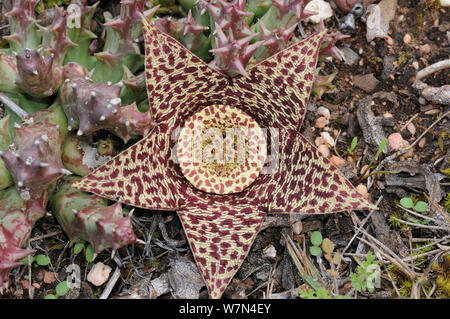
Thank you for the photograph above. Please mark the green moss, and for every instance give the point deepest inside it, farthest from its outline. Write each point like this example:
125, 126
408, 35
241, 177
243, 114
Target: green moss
447, 203
442, 270
420, 261
374, 60
46, 4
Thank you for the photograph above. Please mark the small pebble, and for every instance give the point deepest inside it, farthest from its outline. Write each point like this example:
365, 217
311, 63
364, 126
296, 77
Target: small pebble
389, 40
422, 101
415, 65
25, 284
422, 142
387, 114
324, 150
269, 252
425, 49
362, 189
445, 3
396, 141
365, 170
318, 141
327, 138
433, 112
409, 154
321, 122
99, 274
297, 227
323, 111
337, 161
407, 39
411, 128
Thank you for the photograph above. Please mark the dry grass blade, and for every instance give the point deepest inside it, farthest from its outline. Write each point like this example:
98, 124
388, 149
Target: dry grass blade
388, 253
420, 215
307, 271
420, 225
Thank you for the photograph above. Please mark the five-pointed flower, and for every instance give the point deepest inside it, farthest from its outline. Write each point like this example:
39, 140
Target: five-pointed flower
222, 214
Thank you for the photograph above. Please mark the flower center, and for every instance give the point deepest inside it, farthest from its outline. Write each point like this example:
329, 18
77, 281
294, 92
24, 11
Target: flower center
221, 149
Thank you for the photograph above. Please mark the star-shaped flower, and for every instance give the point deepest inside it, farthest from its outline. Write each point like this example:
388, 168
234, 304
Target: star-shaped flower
221, 226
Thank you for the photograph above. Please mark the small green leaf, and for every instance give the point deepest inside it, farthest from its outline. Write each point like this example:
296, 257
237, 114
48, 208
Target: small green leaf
406, 202
78, 247
50, 296
353, 145
441, 143
425, 222
62, 288
421, 207
315, 250
42, 260
381, 147
327, 246
90, 253
25, 260
316, 238
336, 258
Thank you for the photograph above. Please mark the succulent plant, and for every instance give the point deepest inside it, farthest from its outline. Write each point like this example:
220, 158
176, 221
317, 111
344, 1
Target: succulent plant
87, 217
82, 91
240, 33
62, 80
16, 221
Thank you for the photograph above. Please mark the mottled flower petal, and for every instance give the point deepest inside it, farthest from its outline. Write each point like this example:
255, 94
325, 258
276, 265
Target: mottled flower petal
138, 176
307, 182
276, 90
177, 80
220, 238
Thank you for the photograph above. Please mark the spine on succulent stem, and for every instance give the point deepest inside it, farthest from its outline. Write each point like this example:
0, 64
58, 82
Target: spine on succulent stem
231, 36
87, 217
189, 32
132, 123
328, 47
91, 106
34, 157
134, 87
258, 7
56, 39
16, 221
37, 75
277, 26
120, 43
232, 56
22, 22
79, 30
274, 41
322, 83
193, 38
39, 71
